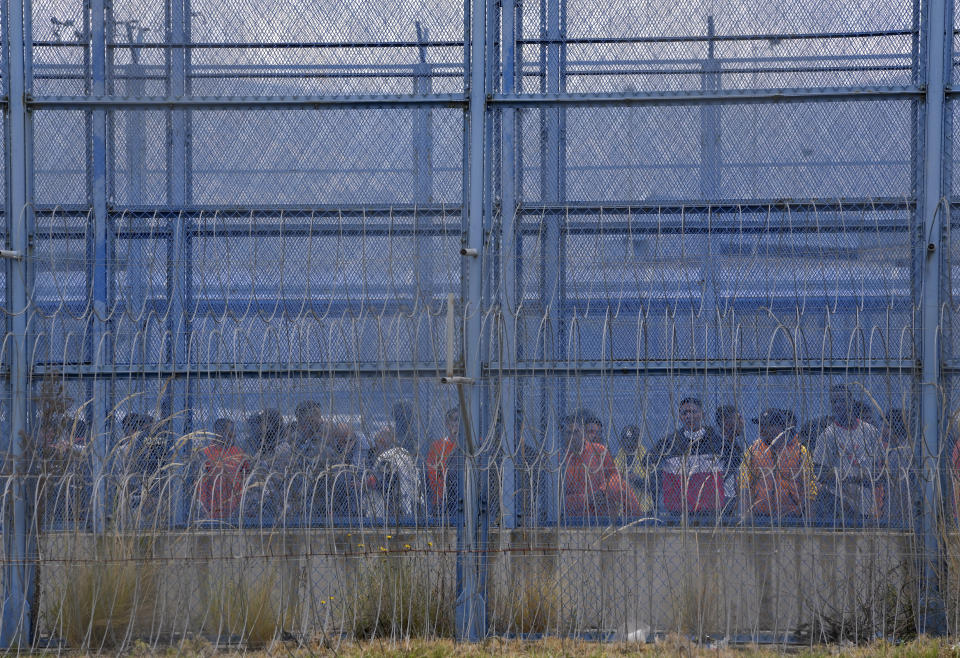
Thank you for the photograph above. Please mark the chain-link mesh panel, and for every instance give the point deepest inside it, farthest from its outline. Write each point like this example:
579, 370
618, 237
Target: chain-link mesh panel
268, 399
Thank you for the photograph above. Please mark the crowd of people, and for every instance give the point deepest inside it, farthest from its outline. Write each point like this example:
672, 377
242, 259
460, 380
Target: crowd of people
853, 465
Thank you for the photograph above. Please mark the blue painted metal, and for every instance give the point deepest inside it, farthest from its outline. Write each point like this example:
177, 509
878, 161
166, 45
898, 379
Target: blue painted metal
811, 94
552, 285
936, 47
519, 368
177, 408
454, 101
17, 618
101, 334
508, 269
470, 609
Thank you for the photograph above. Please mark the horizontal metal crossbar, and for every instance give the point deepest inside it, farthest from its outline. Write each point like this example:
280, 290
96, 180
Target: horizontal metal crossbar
246, 102
624, 207
496, 100
653, 367
681, 367
824, 94
681, 38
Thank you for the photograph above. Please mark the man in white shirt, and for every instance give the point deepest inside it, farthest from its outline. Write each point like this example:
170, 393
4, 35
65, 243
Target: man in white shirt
848, 458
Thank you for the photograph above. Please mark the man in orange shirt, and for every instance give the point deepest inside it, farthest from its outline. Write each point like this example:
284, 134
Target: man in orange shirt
592, 486
443, 484
776, 474
223, 472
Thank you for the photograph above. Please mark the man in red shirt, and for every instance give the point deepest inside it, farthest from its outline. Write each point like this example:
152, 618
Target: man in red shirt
592, 486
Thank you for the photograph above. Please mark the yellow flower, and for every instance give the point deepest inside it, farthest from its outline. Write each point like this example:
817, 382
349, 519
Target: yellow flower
406, 545
323, 602
359, 545
382, 548
429, 543
389, 536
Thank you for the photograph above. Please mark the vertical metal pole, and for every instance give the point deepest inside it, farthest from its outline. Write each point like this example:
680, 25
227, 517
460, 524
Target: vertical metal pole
178, 283
470, 609
425, 246
102, 271
709, 184
135, 129
17, 617
709, 141
554, 297
508, 265
934, 209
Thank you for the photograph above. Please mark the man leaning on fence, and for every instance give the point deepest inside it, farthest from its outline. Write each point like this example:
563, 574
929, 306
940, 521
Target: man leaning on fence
776, 475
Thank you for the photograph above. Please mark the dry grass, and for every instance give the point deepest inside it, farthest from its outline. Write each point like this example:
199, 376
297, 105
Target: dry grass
696, 603
400, 596
528, 604
102, 602
248, 609
671, 646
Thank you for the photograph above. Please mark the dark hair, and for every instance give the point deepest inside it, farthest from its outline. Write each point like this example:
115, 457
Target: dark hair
133, 423
690, 400
267, 429
897, 425
452, 412
307, 407
223, 425
840, 389
723, 412
402, 413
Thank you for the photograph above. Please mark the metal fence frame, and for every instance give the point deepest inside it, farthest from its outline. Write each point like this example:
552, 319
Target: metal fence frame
491, 71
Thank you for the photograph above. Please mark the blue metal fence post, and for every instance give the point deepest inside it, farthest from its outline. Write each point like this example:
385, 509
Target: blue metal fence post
934, 207
101, 334
17, 617
134, 149
508, 266
470, 608
552, 252
178, 280
424, 247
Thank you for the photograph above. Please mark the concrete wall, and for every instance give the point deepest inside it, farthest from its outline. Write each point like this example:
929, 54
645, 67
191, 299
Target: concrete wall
715, 581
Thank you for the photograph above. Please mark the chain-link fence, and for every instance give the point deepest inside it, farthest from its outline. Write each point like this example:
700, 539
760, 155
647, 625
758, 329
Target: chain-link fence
374, 320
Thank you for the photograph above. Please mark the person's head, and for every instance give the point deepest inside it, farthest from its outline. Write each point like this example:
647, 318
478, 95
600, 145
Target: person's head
226, 430
772, 423
266, 429
136, 424
895, 429
863, 411
842, 406
403, 419
729, 421
691, 414
384, 439
573, 432
78, 431
451, 421
592, 427
341, 441
631, 439
309, 417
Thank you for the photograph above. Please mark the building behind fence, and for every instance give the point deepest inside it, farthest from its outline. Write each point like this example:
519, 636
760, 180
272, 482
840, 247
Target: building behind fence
354, 320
